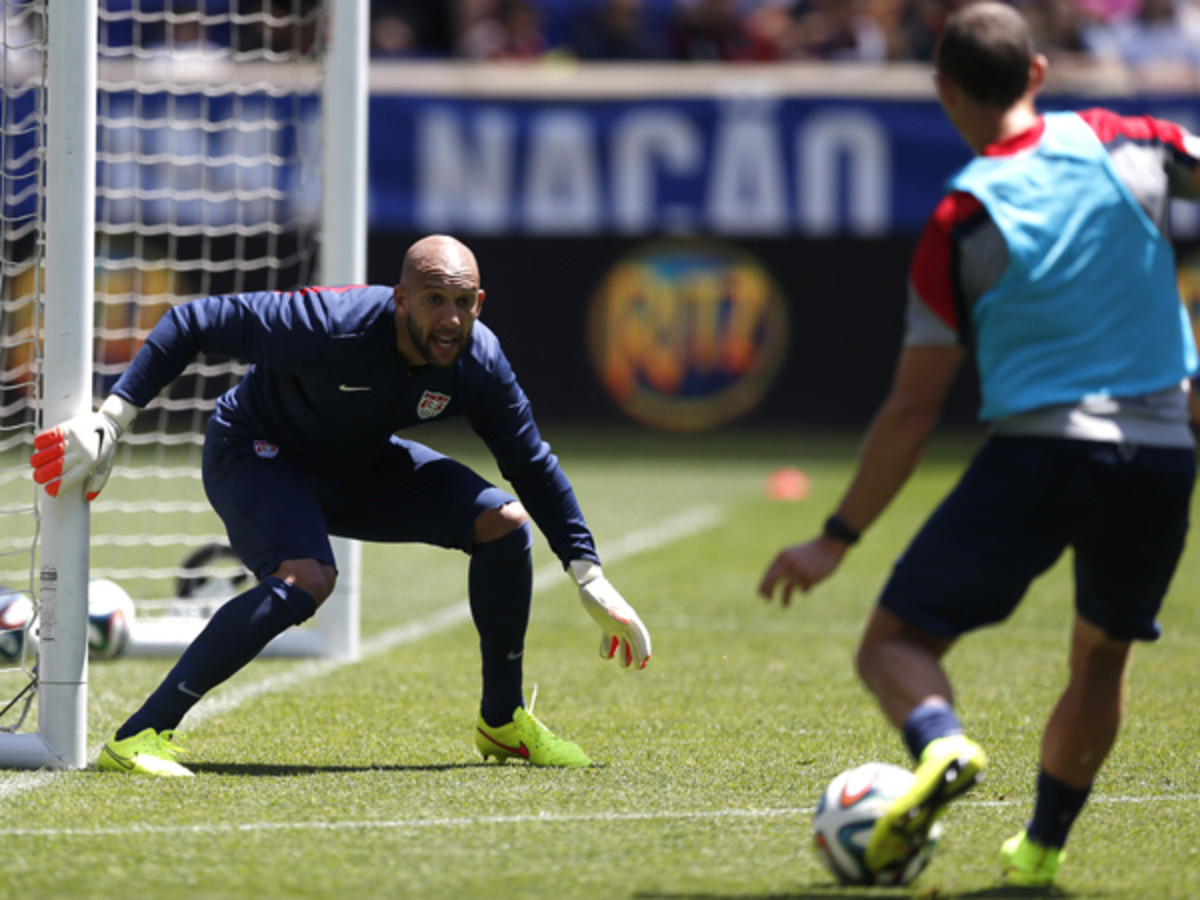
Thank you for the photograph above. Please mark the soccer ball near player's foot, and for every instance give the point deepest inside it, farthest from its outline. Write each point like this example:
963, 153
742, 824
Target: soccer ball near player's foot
845, 816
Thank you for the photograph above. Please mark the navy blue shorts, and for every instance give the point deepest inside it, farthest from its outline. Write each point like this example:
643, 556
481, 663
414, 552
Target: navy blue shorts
1022, 501
276, 509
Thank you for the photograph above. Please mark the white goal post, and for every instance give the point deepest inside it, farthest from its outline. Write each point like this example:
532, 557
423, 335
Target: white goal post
185, 149
63, 244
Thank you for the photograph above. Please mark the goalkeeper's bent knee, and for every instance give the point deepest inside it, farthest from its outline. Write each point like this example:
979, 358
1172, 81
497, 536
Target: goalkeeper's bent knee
515, 543
299, 602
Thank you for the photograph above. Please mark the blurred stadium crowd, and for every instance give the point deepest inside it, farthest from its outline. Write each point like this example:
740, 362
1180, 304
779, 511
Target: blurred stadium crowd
1135, 33
1156, 41
1160, 35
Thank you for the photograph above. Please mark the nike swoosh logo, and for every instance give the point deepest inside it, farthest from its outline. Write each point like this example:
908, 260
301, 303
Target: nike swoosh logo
184, 689
348, 388
520, 750
853, 792
99, 441
514, 655
124, 762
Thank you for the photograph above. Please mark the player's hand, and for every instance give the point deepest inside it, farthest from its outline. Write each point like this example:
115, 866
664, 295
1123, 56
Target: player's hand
622, 630
81, 449
801, 566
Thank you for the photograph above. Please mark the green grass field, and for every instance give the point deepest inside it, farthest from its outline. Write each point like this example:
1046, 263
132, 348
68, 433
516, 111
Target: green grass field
361, 780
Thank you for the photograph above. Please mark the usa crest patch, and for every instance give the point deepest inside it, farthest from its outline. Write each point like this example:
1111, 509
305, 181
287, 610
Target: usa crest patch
265, 450
431, 404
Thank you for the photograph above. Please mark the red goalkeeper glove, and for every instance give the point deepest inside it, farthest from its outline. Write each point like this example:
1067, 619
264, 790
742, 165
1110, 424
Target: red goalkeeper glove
621, 627
81, 449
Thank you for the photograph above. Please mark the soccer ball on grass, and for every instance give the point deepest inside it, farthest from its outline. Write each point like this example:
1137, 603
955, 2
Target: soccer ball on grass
110, 618
848, 810
16, 611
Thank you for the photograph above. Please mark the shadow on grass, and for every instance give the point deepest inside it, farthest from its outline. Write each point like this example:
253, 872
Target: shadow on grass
831, 892
1005, 891
267, 770
811, 893
283, 770
814, 894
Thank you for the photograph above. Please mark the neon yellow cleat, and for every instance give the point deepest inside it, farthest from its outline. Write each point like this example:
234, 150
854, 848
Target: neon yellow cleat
1027, 863
949, 767
148, 752
528, 739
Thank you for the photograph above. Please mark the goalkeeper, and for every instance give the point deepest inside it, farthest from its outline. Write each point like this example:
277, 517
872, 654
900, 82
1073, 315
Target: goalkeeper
304, 447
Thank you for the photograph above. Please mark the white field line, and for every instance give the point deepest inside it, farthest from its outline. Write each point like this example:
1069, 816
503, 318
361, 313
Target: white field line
551, 575
541, 818
682, 525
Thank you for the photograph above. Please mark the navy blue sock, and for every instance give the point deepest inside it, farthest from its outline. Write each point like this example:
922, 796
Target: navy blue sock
235, 634
500, 582
1055, 810
928, 722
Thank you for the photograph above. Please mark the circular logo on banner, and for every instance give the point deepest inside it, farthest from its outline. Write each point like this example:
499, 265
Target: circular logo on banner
687, 334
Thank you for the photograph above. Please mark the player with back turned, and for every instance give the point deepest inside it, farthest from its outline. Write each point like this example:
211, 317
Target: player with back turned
305, 446
1049, 258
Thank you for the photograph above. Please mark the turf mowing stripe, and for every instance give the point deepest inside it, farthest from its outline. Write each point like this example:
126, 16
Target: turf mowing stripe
394, 824
528, 819
682, 525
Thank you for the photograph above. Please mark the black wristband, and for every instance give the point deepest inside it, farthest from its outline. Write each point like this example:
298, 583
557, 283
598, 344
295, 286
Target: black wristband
837, 528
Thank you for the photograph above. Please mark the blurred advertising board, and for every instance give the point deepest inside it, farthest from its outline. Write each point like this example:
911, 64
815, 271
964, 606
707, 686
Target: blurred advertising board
695, 333
735, 151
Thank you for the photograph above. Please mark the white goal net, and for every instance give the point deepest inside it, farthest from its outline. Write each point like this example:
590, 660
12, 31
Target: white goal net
22, 115
210, 155
207, 183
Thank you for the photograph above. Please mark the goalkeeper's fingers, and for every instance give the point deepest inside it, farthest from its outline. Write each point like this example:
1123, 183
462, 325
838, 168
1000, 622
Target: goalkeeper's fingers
630, 643
96, 482
47, 459
54, 465
610, 644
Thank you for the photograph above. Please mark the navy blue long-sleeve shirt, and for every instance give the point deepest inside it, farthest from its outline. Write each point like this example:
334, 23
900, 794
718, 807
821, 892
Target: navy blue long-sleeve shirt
328, 382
